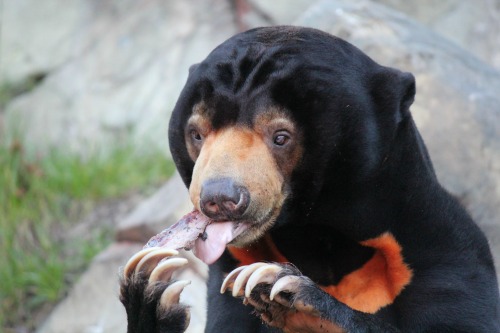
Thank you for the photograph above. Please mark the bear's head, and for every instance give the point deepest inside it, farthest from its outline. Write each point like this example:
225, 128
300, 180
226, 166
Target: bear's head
276, 118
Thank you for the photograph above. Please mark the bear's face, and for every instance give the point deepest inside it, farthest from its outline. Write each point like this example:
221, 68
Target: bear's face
242, 171
267, 122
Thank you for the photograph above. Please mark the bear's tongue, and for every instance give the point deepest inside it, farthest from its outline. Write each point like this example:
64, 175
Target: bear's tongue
207, 238
217, 236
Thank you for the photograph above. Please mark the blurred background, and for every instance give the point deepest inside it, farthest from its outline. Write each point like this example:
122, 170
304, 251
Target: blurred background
86, 88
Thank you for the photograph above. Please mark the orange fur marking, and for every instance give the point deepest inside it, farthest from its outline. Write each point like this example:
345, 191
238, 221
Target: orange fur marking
376, 284
263, 250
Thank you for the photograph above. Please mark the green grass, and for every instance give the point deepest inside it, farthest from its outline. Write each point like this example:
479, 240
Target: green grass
39, 201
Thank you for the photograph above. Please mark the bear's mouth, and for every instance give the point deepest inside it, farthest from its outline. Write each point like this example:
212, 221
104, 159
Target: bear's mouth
195, 231
210, 246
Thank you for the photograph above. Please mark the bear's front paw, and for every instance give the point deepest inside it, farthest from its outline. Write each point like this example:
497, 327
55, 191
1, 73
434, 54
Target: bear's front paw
282, 296
150, 297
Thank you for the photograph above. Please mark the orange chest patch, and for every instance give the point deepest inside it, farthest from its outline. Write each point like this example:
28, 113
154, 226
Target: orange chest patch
374, 285
263, 250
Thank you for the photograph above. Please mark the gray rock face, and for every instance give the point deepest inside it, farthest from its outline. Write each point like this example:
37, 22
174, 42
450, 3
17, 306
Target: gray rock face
92, 306
158, 212
132, 60
39, 36
474, 25
276, 12
457, 107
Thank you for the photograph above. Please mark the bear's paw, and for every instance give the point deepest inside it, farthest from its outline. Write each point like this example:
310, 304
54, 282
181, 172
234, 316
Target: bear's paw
150, 296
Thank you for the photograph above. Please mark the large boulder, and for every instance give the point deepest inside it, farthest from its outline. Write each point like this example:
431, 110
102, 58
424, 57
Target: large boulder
39, 36
92, 305
474, 25
159, 211
129, 62
457, 107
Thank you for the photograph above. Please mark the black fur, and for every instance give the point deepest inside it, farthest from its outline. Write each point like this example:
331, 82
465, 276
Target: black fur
144, 313
364, 171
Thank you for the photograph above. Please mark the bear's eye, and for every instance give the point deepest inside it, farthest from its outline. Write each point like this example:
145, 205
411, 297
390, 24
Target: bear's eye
281, 138
195, 135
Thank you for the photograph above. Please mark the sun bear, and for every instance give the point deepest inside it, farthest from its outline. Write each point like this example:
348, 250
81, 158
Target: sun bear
321, 208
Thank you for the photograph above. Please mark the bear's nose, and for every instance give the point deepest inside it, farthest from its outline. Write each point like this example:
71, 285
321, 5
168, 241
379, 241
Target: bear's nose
221, 199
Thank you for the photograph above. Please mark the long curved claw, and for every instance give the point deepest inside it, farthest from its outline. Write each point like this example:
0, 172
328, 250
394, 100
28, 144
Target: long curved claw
150, 260
172, 293
164, 270
265, 274
244, 276
289, 283
230, 278
146, 289
134, 260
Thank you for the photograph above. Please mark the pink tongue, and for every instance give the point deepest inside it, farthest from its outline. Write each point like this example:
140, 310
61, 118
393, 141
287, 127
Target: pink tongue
218, 235
207, 238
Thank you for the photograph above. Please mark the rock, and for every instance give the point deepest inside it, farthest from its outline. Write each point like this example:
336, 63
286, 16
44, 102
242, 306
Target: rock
457, 103
474, 25
92, 305
156, 213
39, 36
276, 12
132, 58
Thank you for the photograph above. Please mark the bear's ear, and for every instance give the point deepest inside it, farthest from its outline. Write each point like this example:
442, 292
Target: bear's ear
193, 67
407, 90
393, 91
